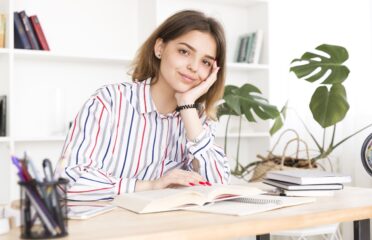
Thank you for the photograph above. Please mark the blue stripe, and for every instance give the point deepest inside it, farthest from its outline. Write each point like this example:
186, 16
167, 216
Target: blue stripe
128, 140
96, 181
85, 128
69, 175
205, 167
104, 157
202, 147
153, 146
110, 96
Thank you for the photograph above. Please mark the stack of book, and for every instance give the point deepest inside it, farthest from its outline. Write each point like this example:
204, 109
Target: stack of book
28, 33
249, 47
306, 182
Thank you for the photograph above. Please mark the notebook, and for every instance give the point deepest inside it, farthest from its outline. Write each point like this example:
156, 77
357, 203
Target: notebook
294, 186
86, 211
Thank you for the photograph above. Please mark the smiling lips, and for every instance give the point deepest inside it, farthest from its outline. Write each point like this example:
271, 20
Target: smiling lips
187, 78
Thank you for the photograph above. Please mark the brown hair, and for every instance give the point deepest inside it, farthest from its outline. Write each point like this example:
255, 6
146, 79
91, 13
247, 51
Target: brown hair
146, 64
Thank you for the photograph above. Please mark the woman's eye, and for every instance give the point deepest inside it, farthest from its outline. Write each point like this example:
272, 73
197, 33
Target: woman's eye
183, 52
207, 63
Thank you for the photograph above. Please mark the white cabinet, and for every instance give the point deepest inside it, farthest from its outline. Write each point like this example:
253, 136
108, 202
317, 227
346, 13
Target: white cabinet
92, 43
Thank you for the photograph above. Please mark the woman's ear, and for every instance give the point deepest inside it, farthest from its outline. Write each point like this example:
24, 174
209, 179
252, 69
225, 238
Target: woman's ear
158, 48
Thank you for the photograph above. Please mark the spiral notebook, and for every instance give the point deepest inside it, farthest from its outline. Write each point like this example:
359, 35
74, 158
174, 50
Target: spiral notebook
251, 205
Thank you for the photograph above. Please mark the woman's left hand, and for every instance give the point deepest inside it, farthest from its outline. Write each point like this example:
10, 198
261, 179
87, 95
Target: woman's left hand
194, 93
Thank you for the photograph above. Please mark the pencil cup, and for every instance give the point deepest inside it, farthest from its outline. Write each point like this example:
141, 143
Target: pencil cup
43, 209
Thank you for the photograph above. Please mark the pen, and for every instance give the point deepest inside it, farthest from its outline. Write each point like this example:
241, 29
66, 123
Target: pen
48, 172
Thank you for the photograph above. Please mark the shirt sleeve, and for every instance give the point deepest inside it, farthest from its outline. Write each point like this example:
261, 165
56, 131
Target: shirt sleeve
213, 163
87, 179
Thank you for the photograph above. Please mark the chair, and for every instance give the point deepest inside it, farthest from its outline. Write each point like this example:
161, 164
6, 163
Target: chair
327, 232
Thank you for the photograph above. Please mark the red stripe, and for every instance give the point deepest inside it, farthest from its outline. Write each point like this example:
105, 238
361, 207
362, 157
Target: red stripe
120, 186
144, 96
101, 102
117, 127
215, 164
93, 190
104, 175
143, 136
95, 144
166, 151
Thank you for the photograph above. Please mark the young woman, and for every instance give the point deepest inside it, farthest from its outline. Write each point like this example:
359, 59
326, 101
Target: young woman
158, 131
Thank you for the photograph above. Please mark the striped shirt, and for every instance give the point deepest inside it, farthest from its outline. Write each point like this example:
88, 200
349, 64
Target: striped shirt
119, 137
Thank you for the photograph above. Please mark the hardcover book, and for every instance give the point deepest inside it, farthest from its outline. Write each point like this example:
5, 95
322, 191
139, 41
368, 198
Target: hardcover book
39, 32
2, 30
308, 176
3, 115
294, 186
29, 30
20, 38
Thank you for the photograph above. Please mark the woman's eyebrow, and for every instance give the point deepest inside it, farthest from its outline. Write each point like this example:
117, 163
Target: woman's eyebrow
194, 50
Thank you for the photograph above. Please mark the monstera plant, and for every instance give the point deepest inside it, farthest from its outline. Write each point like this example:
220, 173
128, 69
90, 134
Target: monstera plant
243, 102
328, 103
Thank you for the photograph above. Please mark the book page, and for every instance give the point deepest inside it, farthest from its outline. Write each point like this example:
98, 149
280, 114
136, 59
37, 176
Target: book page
250, 205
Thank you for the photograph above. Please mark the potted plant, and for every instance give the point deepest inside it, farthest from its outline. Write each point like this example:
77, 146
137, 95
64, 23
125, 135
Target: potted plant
328, 103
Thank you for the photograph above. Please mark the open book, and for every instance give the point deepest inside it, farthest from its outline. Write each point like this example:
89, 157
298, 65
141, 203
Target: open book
180, 198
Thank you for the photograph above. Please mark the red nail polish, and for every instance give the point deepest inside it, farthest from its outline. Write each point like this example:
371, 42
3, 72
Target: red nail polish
191, 184
202, 183
208, 183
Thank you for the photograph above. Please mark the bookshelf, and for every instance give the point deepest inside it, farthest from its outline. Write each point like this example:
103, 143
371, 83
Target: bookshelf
92, 45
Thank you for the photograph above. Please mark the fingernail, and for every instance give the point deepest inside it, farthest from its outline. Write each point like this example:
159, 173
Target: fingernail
191, 184
202, 183
208, 183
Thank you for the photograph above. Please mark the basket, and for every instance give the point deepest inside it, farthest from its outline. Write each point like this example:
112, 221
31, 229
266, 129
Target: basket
274, 162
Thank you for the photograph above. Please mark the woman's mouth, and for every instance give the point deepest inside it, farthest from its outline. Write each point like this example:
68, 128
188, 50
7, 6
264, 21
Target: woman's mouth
187, 78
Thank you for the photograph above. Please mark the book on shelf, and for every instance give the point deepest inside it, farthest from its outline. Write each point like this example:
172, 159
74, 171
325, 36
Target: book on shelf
20, 37
308, 176
2, 30
178, 198
39, 32
29, 30
294, 186
3, 115
249, 47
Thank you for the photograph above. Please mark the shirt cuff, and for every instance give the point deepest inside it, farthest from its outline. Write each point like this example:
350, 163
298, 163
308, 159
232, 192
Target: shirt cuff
125, 185
200, 144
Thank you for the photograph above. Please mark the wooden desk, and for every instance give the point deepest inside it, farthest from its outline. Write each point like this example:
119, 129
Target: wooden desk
350, 204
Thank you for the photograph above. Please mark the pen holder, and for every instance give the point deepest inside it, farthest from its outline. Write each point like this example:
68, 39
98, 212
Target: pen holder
43, 209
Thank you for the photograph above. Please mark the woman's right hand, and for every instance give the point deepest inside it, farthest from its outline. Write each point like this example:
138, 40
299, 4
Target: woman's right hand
178, 177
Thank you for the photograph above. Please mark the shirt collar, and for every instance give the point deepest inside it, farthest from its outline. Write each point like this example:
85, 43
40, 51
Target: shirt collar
146, 103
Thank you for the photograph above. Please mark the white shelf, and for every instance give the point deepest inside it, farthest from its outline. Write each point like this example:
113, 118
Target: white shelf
4, 139
243, 3
4, 51
247, 66
40, 139
37, 54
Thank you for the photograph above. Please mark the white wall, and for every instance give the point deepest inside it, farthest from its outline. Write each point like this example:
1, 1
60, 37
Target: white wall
297, 26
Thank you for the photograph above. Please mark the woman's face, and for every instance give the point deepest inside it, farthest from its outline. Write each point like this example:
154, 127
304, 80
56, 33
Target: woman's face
187, 60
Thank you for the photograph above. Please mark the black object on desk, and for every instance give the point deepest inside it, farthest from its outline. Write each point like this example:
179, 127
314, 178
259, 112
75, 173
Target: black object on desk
43, 203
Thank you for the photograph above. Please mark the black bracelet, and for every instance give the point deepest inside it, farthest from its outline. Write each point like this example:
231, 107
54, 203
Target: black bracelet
187, 106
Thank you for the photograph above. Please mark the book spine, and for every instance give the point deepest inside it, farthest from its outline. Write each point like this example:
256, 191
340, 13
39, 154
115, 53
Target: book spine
255, 56
39, 33
29, 31
2, 30
20, 38
2, 115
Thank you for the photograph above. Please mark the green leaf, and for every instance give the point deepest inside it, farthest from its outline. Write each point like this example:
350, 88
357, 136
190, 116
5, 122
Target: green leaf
279, 120
329, 107
331, 65
233, 103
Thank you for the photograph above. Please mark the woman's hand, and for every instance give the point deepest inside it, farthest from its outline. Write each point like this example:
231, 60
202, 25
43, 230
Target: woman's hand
193, 94
178, 177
